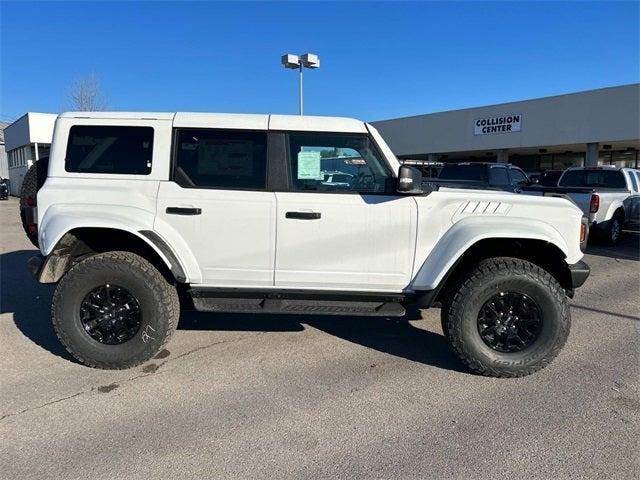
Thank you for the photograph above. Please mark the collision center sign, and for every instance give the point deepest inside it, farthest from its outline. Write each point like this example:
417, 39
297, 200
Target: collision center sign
502, 124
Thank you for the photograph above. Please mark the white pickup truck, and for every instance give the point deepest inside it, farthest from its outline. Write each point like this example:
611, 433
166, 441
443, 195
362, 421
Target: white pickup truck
142, 213
611, 197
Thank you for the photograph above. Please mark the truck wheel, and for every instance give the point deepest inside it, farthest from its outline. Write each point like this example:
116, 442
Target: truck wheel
507, 318
114, 310
613, 232
31, 184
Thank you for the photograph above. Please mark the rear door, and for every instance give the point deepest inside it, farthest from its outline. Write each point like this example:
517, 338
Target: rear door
499, 178
217, 207
634, 200
347, 230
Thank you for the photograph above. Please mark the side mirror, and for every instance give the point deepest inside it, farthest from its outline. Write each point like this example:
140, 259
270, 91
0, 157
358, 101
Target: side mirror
409, 180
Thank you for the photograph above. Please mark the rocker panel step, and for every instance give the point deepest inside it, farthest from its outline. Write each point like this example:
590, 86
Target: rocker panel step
298, 306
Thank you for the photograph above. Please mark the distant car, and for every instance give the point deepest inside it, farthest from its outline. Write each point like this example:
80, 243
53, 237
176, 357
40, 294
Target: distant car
337, 178
549, 178
428, 168
483, 176
4, 189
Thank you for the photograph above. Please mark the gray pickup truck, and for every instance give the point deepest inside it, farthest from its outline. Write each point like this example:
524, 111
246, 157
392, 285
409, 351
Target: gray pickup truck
482, 176
611, 198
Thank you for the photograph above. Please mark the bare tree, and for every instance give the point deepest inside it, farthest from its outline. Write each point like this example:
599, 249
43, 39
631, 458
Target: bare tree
86, 95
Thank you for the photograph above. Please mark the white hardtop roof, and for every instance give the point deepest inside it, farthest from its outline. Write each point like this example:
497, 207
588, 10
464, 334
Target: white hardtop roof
237, 120
119, 115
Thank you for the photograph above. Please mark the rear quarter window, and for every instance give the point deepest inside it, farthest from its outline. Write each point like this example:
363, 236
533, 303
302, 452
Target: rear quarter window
109, 149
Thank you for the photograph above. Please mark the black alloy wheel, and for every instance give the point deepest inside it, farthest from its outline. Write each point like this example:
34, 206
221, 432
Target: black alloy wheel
110, 314
509, 322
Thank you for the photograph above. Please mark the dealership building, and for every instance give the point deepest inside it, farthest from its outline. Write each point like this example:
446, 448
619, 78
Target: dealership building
595, 127
26, 141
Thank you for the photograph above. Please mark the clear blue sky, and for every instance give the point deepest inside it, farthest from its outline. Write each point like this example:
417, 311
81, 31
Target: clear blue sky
379, 60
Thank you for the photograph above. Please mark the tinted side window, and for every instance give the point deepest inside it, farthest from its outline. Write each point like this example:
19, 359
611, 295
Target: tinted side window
498, 176
336, 162
221, 159
517, 176
106, 149
634, 183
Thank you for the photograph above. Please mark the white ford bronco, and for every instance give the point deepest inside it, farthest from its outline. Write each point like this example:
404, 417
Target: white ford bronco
142, 213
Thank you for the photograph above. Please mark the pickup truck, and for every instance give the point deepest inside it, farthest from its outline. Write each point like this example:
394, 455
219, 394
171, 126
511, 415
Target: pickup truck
509, 178
482, 175
614, 197
142, 214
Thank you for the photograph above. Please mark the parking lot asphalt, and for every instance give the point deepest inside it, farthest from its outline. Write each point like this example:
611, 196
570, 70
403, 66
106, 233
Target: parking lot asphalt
240, 396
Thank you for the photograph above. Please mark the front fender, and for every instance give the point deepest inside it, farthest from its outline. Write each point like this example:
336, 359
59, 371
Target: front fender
470, 230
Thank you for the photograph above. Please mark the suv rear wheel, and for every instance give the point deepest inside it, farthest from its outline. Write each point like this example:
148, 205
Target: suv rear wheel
507, 318
31, 185
114, 310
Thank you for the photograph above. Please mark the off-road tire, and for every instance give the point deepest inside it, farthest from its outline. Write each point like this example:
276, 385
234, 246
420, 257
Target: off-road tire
31, 185
158, 301
489, 277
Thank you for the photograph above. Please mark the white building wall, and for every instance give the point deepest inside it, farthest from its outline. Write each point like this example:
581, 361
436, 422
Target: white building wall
19, 162
4, 166
32, 128
608, 114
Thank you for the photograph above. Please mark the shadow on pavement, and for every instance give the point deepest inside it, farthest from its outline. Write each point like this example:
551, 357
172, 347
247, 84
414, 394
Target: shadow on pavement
628, 248
395, 336
30, 304
29, 301
606, 312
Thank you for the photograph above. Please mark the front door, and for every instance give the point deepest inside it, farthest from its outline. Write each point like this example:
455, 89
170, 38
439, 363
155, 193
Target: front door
218, 206
341, 227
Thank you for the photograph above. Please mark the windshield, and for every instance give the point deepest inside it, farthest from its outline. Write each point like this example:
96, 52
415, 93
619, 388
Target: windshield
475, 173
593, 179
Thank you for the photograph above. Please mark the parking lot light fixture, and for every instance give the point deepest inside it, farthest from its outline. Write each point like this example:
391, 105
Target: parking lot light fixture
300, 62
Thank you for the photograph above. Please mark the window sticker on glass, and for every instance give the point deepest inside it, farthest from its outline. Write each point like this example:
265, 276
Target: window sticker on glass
225, 158
309, 166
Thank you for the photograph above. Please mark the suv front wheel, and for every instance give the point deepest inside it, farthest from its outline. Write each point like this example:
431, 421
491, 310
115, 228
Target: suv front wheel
507, 318
114, 310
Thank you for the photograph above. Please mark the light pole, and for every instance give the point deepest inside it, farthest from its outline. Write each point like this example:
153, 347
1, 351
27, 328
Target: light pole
308, 60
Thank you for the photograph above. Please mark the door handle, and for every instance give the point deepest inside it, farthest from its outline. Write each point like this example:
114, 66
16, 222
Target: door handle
183, 211
303, 215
